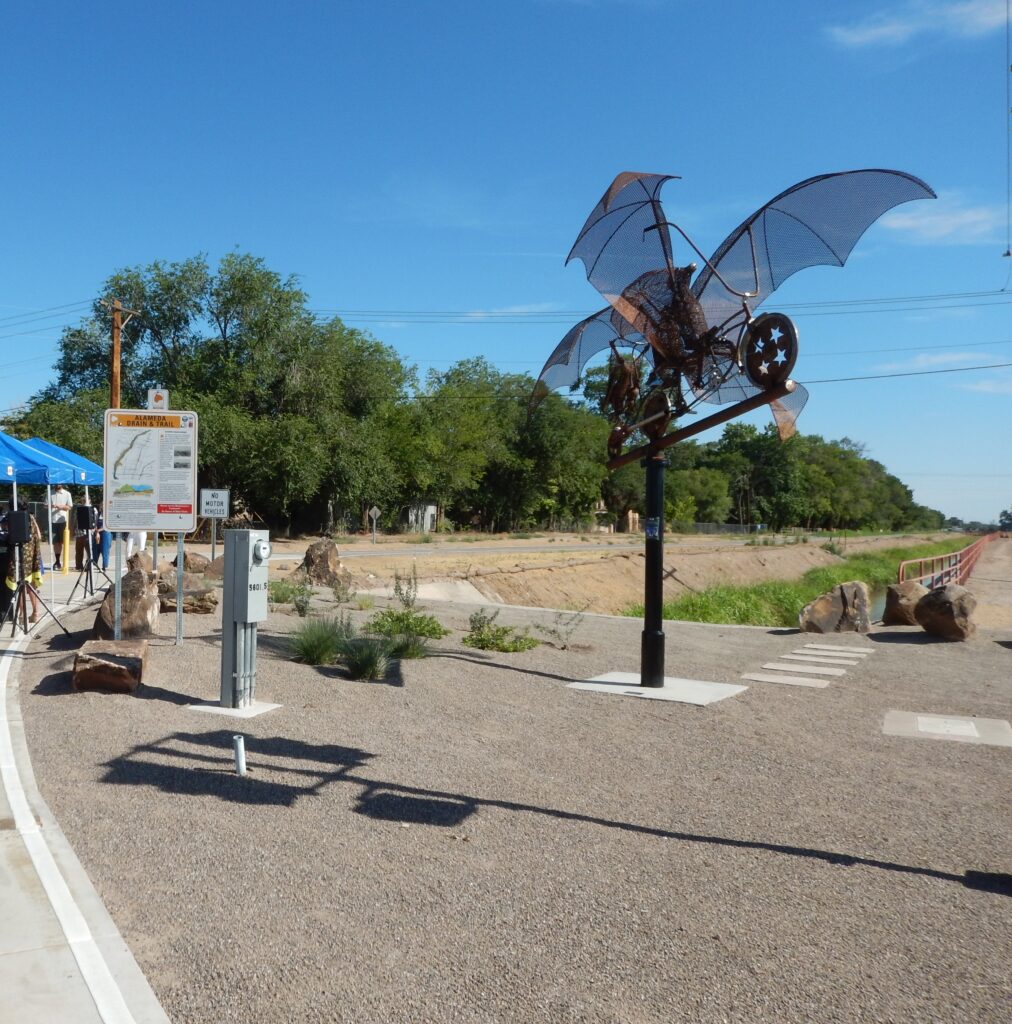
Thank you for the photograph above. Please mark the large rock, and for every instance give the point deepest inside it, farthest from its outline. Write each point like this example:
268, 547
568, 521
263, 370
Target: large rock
167, 583
140, 560
901, 600
844, 609
111, 665
322, 565
140, 605
216, 570
946, 612
196, 602
193, 562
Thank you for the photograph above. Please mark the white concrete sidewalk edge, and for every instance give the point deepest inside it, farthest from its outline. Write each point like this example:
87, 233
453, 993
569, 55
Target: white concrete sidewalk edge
120, 992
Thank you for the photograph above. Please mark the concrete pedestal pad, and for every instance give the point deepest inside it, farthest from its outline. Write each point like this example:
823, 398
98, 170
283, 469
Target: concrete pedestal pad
258, 707
923, 725
684, 691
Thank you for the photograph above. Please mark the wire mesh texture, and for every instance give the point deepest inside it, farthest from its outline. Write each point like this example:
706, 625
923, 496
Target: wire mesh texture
692, 329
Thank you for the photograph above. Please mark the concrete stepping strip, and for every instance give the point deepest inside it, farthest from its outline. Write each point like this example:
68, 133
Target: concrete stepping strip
769, 677
847, 652
815, 670
818, 659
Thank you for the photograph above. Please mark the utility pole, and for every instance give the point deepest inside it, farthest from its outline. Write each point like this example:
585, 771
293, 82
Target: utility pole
117, 326
118, 323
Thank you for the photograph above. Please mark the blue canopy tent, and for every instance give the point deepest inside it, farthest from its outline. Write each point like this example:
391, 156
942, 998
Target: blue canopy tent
20, 463
88, 472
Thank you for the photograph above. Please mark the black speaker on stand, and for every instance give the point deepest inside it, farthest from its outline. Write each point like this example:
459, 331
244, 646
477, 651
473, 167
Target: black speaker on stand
19, 533
85, 519
19, 529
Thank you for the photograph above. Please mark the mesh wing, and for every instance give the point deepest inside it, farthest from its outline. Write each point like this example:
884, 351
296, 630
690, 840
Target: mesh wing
584, 341
816, 222
625, 235
786, 411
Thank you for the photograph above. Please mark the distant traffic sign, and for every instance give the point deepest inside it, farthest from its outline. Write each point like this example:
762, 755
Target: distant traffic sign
375, 513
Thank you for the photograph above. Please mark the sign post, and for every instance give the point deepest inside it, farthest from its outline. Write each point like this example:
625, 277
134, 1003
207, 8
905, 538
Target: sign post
213, 506
374, 514
150, 480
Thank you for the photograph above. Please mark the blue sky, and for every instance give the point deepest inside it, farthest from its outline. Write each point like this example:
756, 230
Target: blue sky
433, 158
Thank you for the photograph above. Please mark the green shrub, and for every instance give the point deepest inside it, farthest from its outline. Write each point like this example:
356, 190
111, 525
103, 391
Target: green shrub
486, 636
563, 626
364, 602
833, 548
393, 622
406, 588
301, 598
342, 592
366, 657
280, 591
321, 641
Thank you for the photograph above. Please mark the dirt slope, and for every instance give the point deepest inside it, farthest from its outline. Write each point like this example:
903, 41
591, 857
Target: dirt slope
599, 579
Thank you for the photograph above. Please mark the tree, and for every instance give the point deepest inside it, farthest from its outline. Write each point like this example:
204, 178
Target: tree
1005, 519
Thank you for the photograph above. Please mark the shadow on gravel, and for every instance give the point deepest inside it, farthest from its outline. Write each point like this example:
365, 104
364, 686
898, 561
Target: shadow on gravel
490, 662
1007, 644
201, 764
917, 639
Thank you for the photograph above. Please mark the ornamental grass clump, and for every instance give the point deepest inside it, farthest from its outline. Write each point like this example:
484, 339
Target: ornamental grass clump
321, 641
367, 657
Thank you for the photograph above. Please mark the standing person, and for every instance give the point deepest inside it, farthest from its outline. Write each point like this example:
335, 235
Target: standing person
61, 506
102, 541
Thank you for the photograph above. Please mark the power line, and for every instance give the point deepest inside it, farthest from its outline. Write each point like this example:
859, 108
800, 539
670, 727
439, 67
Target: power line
31, 313
908, 373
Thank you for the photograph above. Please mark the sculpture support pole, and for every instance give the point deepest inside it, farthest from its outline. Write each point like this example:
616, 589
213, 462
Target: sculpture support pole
652, 647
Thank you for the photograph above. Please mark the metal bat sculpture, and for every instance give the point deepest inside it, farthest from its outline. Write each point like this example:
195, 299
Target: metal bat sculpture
698, 337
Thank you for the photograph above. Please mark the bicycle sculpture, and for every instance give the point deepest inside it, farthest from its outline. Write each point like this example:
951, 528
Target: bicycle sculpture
678, 338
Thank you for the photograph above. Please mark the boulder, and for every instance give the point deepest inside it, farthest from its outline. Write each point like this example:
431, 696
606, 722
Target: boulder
111, 665
140, 604
196, 602
140, 560
946, 612
322, 565
844, 609
901, 599
167, 584
216, 569
193, 562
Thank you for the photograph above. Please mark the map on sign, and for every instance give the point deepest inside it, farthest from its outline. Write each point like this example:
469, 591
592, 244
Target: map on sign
150, 470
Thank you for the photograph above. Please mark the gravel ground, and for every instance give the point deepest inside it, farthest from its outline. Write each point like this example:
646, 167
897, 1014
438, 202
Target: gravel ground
472, 841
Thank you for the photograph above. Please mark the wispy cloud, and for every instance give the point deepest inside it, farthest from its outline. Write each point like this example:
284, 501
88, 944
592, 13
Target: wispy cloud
964, 18
934, 361
999, 385
508, 311
949, 220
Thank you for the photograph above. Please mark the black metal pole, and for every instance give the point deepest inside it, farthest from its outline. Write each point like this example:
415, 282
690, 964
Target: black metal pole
652, 649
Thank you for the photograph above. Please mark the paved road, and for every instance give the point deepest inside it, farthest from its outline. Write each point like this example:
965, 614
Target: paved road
991, 583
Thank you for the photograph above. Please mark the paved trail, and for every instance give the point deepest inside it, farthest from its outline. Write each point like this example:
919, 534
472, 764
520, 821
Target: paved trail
991, 583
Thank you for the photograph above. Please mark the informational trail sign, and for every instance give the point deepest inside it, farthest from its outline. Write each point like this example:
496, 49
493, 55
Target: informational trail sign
150, 470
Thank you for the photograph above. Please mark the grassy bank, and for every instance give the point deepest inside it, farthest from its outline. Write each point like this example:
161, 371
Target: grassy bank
777, 602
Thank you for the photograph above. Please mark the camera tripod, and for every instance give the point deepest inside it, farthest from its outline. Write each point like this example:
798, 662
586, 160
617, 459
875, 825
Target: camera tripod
85, 576
18, 610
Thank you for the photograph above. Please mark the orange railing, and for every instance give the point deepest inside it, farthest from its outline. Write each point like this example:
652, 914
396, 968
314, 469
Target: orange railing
943, 569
